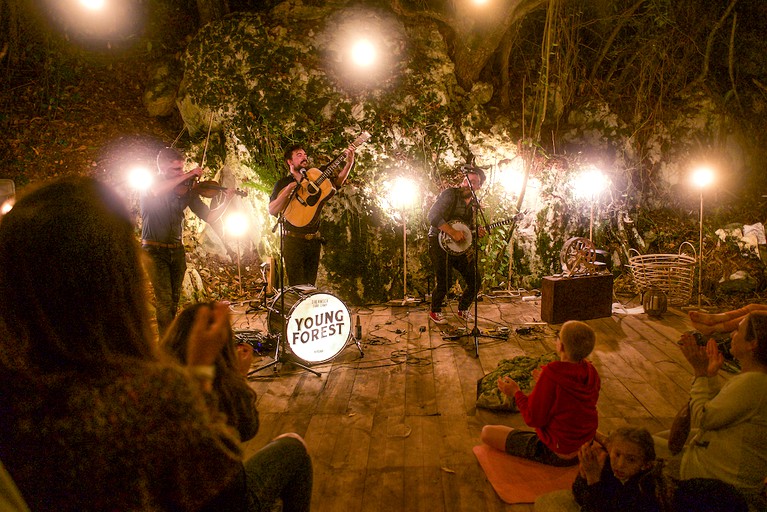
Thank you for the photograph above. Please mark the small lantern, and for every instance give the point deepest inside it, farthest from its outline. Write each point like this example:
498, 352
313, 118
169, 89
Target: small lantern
655, 302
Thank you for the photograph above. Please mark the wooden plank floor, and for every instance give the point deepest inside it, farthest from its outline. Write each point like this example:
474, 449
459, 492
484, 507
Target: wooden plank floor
395, 429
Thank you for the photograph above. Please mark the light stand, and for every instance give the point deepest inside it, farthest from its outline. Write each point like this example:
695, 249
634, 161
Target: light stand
588, 185
700, 249
401, 197
236, 225
405, 298
239, 266
701, 177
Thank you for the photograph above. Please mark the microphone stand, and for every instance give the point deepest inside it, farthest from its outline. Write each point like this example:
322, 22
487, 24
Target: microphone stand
478, 214
279, 351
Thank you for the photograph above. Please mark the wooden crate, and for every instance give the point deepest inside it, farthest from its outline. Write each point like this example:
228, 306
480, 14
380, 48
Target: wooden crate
576, 298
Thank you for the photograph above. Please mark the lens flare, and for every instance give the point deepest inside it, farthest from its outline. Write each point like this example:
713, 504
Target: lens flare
363, 53
93, 5
702, 176
236, 224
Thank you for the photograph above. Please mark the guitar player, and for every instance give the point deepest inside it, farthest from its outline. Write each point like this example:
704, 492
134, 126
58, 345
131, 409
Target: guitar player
302, 243
454, 203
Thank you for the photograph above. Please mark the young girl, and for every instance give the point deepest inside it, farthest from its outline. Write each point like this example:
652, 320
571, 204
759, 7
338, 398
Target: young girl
617, 479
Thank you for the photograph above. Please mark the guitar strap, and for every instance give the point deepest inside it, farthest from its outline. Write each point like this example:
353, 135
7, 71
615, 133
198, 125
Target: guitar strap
456, 197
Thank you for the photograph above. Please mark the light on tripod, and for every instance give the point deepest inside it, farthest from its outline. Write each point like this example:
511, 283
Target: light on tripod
140, 178
93, 5
236, 224
588, 185
363, 53
402, 195
701, 177
511, 175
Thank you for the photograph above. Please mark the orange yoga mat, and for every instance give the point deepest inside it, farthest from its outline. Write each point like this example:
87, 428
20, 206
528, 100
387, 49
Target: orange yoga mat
518, 480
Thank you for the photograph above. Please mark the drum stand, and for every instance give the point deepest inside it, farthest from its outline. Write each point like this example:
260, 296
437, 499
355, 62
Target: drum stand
279, 357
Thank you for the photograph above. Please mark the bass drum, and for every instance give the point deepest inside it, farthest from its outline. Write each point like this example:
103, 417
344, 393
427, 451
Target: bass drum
318, 325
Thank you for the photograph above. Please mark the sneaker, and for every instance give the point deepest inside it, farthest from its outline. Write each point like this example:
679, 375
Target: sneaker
465, 315
437, 317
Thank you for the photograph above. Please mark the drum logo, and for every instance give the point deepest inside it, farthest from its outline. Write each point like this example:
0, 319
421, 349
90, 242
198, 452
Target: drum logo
319, 326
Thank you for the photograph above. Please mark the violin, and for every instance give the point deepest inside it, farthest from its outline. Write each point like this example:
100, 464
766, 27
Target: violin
207, 188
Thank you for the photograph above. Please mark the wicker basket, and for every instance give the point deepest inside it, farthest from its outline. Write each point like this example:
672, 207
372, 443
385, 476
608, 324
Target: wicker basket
672, 273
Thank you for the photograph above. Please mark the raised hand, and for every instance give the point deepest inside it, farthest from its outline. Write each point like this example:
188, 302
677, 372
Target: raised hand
592, 457
210, 331
508, 386
705, 361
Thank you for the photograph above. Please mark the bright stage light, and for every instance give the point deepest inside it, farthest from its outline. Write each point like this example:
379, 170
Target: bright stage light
140, 178
480, 2
511, 175
98, 22
93, 5
589, 183
363, 53
702, 176
402, 193
6, 207
236, 224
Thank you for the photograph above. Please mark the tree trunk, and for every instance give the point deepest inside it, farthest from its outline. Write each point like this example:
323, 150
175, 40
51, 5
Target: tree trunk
477, 32
476, 42
209, 10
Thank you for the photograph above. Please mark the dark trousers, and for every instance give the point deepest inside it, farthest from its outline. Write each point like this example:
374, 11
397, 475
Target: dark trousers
281, 469
166, 273
442, 263
302, 259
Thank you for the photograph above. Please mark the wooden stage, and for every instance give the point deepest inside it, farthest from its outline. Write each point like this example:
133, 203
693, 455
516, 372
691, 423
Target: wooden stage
394, 430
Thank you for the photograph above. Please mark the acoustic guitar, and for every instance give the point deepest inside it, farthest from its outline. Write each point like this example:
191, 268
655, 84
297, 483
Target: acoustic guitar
454, 248
315, 189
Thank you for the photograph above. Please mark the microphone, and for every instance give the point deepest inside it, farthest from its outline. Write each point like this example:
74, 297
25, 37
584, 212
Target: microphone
303, 173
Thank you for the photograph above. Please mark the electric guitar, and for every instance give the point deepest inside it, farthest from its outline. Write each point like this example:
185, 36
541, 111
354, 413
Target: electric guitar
454, 248
315, 189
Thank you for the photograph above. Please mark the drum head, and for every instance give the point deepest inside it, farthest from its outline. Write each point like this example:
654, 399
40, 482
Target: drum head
318, 326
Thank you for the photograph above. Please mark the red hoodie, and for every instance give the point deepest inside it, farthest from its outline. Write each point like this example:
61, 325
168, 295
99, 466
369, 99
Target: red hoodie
562, 407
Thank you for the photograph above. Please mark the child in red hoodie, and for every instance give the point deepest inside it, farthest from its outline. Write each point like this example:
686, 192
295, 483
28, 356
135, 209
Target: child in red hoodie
562, 407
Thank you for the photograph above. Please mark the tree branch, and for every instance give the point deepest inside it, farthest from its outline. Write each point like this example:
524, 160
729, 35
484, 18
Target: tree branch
625, 17
710, 40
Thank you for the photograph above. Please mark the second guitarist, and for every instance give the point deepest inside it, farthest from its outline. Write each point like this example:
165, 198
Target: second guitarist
302, 244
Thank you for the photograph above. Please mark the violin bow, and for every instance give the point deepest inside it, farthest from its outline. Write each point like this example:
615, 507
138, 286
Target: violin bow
207, 139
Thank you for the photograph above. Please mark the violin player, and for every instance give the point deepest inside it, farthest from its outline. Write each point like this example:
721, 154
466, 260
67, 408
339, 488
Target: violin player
163, 207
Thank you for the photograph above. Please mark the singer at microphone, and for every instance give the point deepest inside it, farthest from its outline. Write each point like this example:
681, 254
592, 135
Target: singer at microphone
297, 198
454, 206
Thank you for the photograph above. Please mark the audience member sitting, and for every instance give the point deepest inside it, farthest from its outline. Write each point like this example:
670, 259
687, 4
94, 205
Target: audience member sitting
727, 322
561, 407
235, 397
731, 443
94, 418
618, 479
